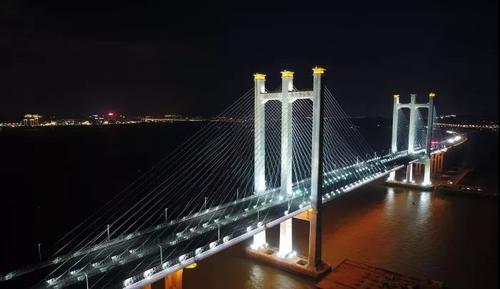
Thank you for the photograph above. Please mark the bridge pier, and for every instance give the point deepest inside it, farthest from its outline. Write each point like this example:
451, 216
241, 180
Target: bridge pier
172, 281
427, 172
285, 238
409, 173
437, 162
259, 240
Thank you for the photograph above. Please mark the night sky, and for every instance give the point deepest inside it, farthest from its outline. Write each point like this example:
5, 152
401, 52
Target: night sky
72, 58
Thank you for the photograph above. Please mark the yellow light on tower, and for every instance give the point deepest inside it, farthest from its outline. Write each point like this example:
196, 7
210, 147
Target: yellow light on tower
286, 73
259, 76
318, 70
192, 266
396, 95
432, 94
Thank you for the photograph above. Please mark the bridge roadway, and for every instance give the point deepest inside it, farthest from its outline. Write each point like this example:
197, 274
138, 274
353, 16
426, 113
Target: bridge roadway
192, 238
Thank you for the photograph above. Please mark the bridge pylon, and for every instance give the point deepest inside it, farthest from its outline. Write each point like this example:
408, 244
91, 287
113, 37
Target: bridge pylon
284, 257
413, 106
259, 239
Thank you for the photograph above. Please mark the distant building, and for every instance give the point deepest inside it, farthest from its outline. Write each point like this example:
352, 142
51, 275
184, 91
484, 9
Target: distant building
31, 120
96, 119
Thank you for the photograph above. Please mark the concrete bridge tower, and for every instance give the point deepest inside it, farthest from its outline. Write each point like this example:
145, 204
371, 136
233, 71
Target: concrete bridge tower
287, 96
413, 106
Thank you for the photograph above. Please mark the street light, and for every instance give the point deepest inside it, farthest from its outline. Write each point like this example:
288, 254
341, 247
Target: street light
161, 254
87, 280
39, 251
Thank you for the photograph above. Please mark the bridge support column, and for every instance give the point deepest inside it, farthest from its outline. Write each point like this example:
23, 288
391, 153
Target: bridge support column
418, 168
411, 129
427, 172
174, 280
437, 163
392, 176
314, 258
286, 132
259, 240
428, 142
286, 157
394, 141
285, 238
409, 173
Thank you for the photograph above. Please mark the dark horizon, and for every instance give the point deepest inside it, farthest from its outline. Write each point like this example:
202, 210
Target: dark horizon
66, 59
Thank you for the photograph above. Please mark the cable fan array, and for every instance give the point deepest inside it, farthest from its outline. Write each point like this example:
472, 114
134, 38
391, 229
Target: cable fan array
201, 195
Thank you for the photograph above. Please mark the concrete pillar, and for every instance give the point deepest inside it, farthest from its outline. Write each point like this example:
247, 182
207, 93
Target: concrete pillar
174, 280
441, 162
395, 120
286, 132
285, 238
409, 173
417, 168
392, 176
260, 135
428, 141
427, 172
286, 157
394, 141
411, 129
259, 239
314, 258
430, 123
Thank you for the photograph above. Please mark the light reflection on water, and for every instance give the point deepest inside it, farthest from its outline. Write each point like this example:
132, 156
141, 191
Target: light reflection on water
423, 208
421, 234
256, 277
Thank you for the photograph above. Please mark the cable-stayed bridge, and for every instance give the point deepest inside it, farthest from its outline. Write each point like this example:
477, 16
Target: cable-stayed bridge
273, 154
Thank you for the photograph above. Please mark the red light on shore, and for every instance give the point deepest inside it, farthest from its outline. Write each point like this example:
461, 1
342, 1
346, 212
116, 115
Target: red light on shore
111, 113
